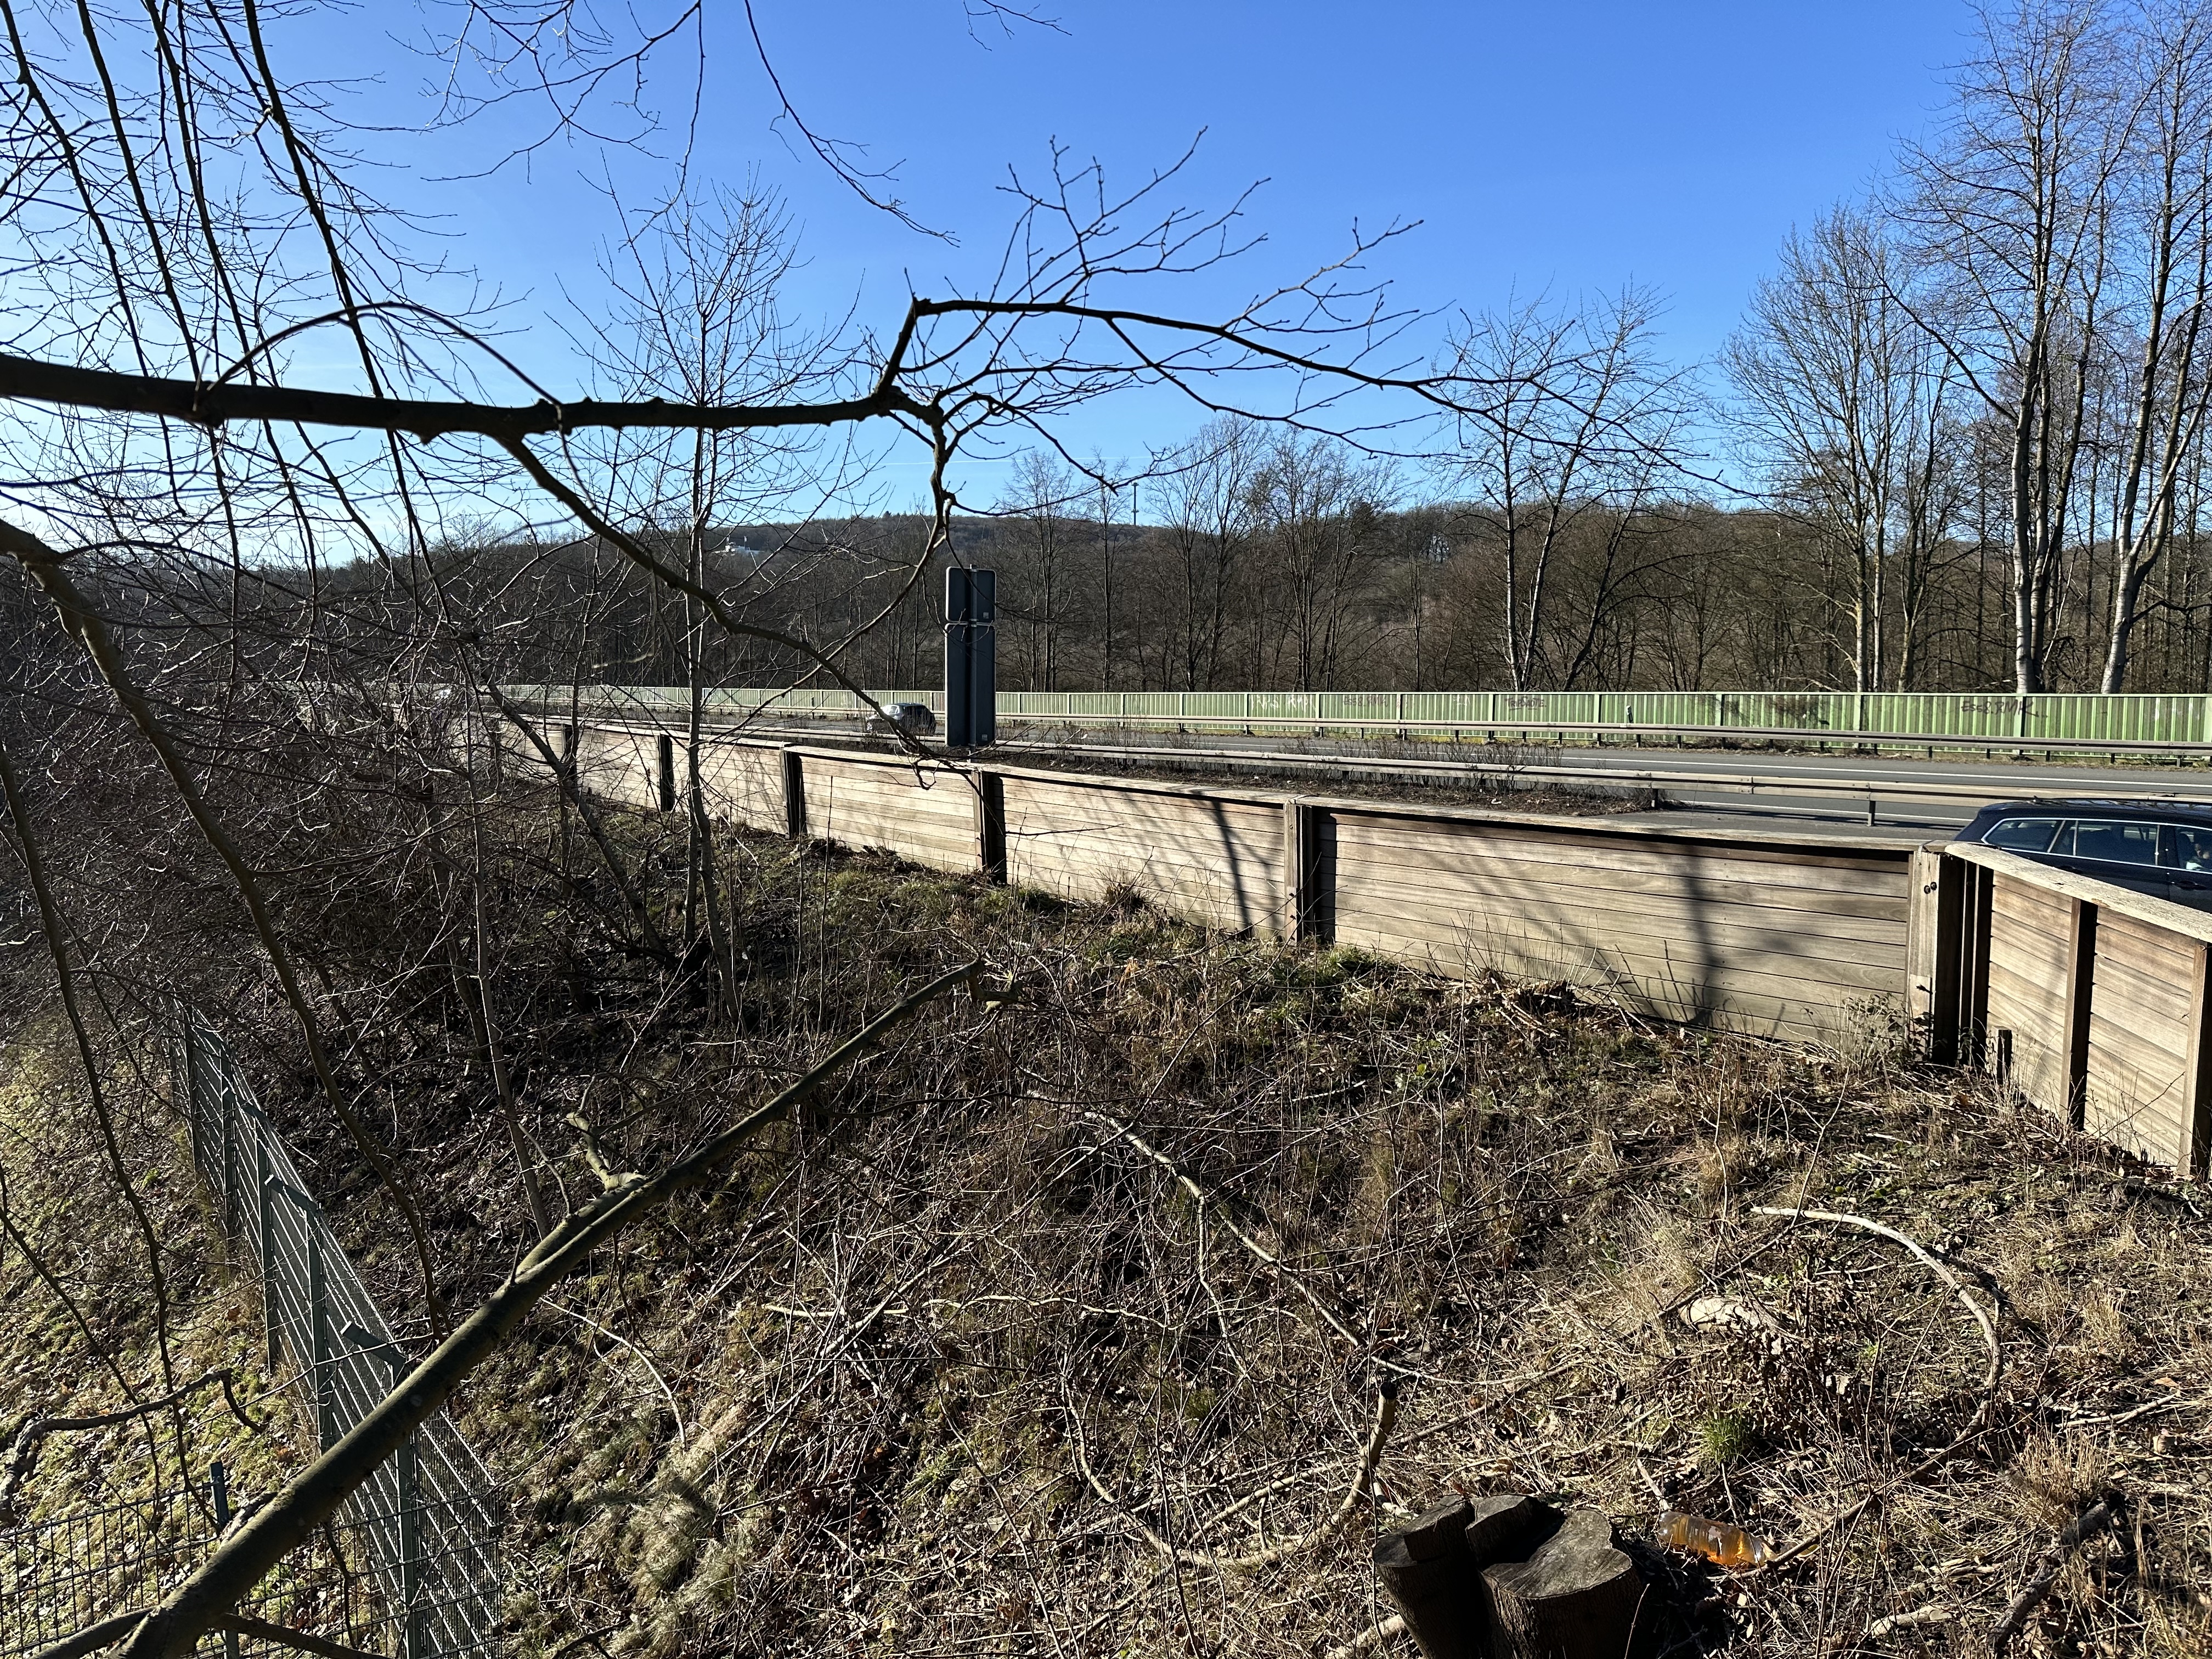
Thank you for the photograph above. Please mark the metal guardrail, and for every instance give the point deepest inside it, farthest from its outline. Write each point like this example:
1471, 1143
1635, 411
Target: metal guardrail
1660, 780
429, 1518
2133, 723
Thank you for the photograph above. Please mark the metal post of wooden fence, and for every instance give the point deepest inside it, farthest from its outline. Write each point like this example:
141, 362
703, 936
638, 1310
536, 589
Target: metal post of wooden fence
2074, 1034
665, 745
1974, 970
795, 795
990, 824
1301, 866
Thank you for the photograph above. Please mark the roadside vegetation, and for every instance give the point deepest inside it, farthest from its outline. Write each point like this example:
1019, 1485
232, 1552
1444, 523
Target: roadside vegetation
1070, 1321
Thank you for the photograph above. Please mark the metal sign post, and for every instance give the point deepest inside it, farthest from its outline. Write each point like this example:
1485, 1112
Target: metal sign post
971, 657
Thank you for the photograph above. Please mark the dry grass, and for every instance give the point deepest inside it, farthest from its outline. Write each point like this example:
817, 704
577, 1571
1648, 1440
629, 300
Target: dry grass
863, 1380
895, 1340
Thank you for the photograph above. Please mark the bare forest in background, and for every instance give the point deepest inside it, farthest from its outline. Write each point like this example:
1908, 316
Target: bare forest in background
1958, 443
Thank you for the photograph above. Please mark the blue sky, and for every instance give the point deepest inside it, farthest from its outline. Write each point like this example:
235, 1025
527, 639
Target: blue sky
1573, 146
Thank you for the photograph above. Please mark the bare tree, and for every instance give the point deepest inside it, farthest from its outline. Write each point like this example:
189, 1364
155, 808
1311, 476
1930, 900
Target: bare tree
2011, 208
2165, 216
1206, 532
1587, 419
1314, 506
1845, 407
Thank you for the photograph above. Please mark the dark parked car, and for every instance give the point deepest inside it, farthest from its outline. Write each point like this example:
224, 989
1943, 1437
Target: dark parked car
2160, 847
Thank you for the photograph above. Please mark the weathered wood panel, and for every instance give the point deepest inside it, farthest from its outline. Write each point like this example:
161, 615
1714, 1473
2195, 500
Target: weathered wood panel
924, 813
743, 782
616, 763
2028, 953
1793, 940
1214, 859
2140, 1055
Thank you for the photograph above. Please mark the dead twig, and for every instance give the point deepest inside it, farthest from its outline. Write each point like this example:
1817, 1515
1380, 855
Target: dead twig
1935, 1265
1386, 1417
1370, 1638
23, 1453
2086, 1525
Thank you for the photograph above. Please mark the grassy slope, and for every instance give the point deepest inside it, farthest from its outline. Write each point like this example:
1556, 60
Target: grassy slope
855, 1391
853, 1395
61, 1196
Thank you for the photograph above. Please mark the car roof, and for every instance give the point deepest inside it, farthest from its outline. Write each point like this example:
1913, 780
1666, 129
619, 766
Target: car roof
2196, 810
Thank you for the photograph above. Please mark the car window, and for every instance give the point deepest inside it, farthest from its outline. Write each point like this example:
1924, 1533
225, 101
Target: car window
2022, 835
2116, 840
2187, 849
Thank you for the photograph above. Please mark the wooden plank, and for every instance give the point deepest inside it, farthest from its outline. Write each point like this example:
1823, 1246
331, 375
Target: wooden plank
1431, 847
2028, 996
744, 784
1758, 1003
2148, 950
1487, 947
1194, 840
1697, 886
1596, 920
1219, 880
1647, 912
2145, 1040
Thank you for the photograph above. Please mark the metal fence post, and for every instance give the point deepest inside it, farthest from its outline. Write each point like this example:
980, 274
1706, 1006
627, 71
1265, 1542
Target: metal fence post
265, 1244
219, 1496
407, 1494
412, 1644
229, 1194
318, 1326
188, 1090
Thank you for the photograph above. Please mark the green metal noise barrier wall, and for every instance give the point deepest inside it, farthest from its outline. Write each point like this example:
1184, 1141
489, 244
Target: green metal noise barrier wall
1993, 719
429, 1518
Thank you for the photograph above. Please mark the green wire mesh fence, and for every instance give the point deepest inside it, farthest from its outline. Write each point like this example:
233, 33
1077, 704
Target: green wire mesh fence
429, 1519
409, 1567
2090, 720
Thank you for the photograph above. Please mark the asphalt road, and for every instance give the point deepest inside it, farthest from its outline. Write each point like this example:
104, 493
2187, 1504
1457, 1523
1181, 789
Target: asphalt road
1913, 799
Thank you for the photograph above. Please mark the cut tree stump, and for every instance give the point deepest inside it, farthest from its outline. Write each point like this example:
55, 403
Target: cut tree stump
1426, 1569
1511, 1577
1576, 1596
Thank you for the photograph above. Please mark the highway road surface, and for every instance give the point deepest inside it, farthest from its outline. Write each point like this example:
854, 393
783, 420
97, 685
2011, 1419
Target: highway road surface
1845, 794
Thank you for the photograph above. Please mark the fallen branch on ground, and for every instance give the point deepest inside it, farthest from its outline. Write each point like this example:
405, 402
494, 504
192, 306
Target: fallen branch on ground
1386, 1418
110, 1631
1928, 1259
30, 1439
1370, 1638
1989, 1383
248, 1554
2086, 1525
